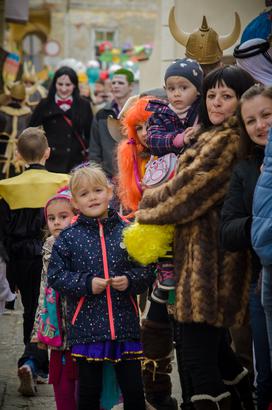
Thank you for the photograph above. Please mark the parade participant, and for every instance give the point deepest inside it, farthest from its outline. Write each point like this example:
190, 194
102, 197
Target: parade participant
66, 119
208, 294
170, 126
101, 96
255, 108
204, 44
22, 221
34, 90
101, 284
156, 333
102, 144
50, 322
16, 116
133, 154
255, 56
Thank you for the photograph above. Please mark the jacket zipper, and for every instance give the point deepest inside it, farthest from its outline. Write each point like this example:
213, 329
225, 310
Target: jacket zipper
107, 276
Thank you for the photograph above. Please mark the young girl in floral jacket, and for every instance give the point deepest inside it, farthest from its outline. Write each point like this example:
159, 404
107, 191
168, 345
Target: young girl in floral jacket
50, 321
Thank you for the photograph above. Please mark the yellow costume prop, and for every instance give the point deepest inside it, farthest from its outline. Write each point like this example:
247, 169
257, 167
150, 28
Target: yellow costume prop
147, 243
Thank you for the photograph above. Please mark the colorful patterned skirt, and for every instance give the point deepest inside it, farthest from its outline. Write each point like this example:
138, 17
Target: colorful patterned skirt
110, 350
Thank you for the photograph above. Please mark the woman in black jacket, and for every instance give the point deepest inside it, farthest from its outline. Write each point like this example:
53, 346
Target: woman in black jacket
236, 219
66, 119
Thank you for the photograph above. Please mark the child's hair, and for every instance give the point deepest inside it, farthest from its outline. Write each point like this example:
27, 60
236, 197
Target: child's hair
63, 194
256, 90
88, 171
32, 144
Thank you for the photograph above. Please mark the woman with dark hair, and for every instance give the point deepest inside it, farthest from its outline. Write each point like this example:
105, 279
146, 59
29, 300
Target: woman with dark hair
255, 117
66, 119
212, 286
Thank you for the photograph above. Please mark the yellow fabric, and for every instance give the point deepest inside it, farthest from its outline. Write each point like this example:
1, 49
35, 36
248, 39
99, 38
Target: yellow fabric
32, 188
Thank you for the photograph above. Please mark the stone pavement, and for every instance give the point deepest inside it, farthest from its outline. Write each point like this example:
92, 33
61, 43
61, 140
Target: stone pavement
11, 347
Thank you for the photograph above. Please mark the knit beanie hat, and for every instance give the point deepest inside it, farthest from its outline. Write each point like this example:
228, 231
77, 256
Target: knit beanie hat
63, 193
188, 68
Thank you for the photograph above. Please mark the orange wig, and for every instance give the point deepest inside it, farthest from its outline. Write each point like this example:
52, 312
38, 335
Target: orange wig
132, 156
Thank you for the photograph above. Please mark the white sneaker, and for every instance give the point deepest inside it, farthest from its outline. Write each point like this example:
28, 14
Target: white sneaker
42, 378
27, 383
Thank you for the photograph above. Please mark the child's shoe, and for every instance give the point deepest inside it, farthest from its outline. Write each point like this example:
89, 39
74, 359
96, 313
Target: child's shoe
159, 295
42, 377
166, 275
26, 375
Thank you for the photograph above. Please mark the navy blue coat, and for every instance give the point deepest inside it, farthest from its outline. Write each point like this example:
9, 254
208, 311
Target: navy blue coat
76, 259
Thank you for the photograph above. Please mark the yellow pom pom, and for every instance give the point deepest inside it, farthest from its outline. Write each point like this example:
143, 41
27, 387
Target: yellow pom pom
147, 243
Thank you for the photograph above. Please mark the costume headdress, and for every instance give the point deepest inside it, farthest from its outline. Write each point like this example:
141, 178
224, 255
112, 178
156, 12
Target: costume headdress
29, 73
204, 44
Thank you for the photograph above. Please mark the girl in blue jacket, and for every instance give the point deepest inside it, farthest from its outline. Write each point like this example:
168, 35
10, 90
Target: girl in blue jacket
91, 267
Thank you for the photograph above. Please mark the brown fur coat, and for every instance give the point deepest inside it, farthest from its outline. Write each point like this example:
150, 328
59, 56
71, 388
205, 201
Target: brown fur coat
212, 285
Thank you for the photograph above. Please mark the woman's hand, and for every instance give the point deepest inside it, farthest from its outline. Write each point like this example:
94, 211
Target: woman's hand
120, 283
99, 285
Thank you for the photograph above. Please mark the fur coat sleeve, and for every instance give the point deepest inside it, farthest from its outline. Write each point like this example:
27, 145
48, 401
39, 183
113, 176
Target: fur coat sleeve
200, 182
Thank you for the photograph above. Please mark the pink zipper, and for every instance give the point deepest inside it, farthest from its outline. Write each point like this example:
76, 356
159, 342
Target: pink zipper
108, 293
107, 276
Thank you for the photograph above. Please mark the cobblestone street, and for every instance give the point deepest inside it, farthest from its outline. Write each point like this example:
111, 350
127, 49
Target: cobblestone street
11, 347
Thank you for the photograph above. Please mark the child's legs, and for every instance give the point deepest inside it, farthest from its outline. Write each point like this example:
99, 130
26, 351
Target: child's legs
129, 377
89, 384
65, 392
63, 381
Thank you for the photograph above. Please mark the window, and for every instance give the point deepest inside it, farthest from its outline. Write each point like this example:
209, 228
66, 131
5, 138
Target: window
102, 35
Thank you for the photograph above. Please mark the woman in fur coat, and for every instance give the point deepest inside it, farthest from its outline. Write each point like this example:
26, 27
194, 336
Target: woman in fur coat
156, 332
212, 289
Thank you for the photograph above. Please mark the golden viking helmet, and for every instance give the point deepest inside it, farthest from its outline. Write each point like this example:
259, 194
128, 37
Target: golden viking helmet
18, 91
204, 44
29, 73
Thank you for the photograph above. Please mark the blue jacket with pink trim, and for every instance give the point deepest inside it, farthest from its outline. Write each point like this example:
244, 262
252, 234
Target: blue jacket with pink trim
77, 258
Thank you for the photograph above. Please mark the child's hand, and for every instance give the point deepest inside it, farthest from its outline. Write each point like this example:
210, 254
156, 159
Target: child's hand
120, 283
189, 133
99, 285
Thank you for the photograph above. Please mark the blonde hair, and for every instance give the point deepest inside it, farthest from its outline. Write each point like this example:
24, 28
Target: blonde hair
32, 144
93, 173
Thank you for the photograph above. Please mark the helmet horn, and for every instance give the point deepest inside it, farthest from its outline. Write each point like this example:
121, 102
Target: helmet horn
228, 40
179, 35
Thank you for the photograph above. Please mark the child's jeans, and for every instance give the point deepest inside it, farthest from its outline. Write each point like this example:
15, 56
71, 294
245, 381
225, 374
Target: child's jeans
129, 377
63, 376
